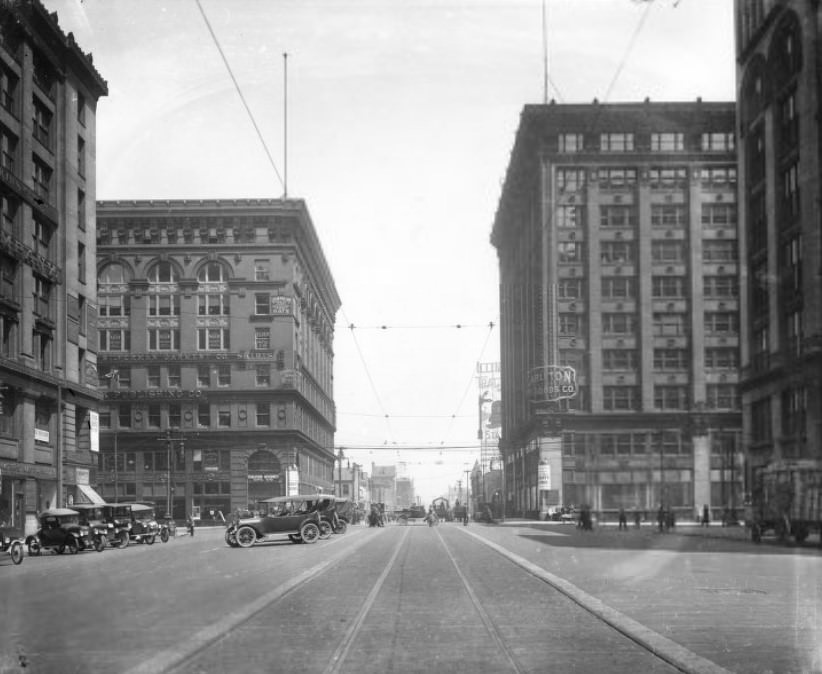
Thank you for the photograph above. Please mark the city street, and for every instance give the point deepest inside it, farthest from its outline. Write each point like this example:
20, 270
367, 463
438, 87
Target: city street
520, 596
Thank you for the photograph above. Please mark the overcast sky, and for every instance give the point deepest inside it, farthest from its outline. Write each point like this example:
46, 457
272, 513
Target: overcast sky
401, 118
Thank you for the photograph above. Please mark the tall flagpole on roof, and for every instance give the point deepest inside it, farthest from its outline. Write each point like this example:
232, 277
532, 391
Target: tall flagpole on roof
285, 125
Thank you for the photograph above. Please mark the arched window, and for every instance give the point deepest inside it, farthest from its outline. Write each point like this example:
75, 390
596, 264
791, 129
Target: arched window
263, 461
212, 272
163, 272
785, 55
112, 291
755, 91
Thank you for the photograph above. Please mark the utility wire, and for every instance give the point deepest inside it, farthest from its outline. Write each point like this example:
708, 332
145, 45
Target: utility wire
240, 93
628, 51
457, 326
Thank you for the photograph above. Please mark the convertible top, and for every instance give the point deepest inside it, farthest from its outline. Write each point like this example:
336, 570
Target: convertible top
58, 511
297, 497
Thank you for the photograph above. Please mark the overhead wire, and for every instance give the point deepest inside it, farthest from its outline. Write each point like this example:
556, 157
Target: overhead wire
240, 93
628, 51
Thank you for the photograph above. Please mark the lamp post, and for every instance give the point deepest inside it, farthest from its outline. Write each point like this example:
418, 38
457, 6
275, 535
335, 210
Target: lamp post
112, 376
340, 456
467, 489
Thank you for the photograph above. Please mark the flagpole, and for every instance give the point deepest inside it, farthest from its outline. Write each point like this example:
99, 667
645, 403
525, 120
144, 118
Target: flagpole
285, 125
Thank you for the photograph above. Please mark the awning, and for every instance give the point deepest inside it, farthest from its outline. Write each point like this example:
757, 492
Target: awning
89, 495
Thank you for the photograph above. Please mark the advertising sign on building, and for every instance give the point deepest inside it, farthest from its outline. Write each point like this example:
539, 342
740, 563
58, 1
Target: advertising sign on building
551, 383
94, 431
544, 476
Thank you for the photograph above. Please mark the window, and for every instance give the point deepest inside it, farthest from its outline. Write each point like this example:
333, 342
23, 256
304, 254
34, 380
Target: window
718, 142
174, 378
618, 324
8, 90
794, 411
81, 156
224, 418
112, 292
790, 193
570, 216
668, 286
163, 339
41, 123
263, 375
9, 209
670, 359
617, 216
8, 406
569, 251
124, 416
212, 339
616, 178
213, 304
203, 415
114, 339
262, 304
721, 323
570, 325
41, 177
720, 286
154, 420
570, 142
163, 272
669, 325
213, 272
668, 215
81, 109
8, 336
224, 375
721, 396
41, 235
619, 359
668, 251
262, 270
262, 338
153, 376
793, 332
163, 305
667, 142
724, 176
81, 263
570, 289
41, 293
761, 428
670, 397
174, 415
8, 149
719, 251
616, 142
718, 215
570, 179
788, 121
8, 278
668, 178
618, 287
617, 252
203, 376
620, 398
721, 358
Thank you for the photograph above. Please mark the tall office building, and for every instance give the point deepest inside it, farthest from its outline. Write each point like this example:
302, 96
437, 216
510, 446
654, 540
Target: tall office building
48, 362
778, 99
616, 234
216, 336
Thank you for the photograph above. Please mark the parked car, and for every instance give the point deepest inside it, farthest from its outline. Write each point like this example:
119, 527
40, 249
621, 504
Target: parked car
564, 514
413, 513
295, 517
93, 516
11, 542
61, 531
118, 515
143, 525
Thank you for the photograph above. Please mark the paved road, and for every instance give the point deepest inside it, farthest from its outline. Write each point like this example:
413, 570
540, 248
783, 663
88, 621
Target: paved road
521, 597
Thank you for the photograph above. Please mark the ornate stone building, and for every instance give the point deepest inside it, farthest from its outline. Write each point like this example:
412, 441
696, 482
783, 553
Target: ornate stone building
216, 339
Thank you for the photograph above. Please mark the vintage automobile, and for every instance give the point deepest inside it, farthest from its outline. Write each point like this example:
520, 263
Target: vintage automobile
143, 525
295, 517
345, 513
94, 517
414, 513
61, 531
12, 543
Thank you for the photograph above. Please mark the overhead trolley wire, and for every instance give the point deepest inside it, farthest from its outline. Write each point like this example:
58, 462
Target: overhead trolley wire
240, 93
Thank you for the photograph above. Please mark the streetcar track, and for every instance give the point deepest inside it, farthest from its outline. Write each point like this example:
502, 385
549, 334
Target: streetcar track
487, 621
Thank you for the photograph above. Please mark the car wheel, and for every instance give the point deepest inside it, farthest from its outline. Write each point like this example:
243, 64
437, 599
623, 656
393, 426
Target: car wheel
246, 537
16, 552
294, 538
164, 535
122, 539
325, 530
309, 532
342, 527
34, 549
149, 540
99, 543
72, 545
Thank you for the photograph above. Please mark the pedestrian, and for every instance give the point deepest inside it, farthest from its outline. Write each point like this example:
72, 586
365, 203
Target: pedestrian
706, 516
660, 517
637, 518
190, 525
623, 520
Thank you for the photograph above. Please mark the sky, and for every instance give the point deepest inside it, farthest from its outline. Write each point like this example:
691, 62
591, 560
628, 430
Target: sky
394, 120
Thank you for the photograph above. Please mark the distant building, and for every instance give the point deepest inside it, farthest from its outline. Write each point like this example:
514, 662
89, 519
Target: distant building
216, 336
48, 348
780, 163
405, 492
616, 234
384, 486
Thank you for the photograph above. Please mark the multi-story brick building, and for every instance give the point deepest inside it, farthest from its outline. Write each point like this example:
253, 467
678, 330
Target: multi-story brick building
780, 163
616, 234
48, 362
216, 335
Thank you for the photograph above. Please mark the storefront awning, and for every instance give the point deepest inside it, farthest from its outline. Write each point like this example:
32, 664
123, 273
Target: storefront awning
88, 493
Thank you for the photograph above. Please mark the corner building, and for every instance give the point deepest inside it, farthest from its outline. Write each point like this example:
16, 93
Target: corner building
780, 160
616, 235
216, 335
48, 340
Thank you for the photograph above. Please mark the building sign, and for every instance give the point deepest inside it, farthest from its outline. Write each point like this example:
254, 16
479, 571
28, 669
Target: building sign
155, 394
81, 476
281, 306
40, 435
552, 382
94, 431
263, 477
293, 476
544, 476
